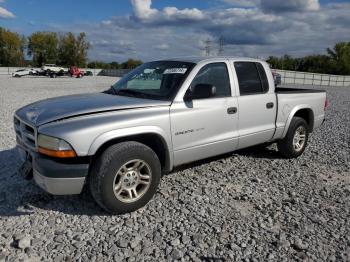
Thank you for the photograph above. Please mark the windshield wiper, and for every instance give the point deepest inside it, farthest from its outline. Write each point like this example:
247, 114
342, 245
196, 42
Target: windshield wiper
110, 91
129, 92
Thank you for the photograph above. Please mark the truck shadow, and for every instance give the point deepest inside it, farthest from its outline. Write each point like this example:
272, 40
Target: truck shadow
21, 197
260, 151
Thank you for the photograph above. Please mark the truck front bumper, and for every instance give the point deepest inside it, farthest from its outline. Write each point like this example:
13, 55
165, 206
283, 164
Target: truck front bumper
57, 176
60, 177
59, 186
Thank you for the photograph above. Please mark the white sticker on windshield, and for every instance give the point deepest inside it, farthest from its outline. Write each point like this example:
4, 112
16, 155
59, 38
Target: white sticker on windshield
175, 71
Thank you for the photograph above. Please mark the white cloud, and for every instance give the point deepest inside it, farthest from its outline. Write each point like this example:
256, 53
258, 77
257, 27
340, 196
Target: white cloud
5, 13
162, 47
142, 9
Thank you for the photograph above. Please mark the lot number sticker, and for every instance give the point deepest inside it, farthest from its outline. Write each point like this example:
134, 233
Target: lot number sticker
175, 71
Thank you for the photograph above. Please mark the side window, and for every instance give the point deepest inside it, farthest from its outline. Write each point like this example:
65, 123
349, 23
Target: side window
215, 74
263, 77
250, 79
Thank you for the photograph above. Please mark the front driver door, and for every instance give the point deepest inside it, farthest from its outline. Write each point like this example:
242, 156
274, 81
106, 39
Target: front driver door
205, 127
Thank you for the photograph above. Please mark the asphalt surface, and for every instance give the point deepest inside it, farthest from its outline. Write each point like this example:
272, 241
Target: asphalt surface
249, 205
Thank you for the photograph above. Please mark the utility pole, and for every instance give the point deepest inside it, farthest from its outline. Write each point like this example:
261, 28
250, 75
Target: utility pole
207, 47
221, 46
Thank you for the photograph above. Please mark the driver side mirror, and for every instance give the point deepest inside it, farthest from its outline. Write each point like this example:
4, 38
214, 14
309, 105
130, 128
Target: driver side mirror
200, 91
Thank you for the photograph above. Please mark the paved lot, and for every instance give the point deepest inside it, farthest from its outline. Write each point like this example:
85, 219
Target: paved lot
250, 204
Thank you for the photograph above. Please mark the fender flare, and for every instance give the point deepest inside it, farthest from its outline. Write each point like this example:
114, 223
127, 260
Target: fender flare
126, 132
292, 114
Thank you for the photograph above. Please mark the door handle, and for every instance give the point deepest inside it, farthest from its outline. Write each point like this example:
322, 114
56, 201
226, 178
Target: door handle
231, 110
269, 105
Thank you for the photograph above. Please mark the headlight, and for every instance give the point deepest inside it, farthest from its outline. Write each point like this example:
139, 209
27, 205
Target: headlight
54, 147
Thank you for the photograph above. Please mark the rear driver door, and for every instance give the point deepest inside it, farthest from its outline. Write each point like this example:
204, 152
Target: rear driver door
256, 102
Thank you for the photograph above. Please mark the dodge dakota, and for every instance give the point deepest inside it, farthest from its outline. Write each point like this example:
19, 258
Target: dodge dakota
161, 115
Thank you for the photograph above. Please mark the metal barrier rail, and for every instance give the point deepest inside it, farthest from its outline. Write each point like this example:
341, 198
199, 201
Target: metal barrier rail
287, 77
304, 78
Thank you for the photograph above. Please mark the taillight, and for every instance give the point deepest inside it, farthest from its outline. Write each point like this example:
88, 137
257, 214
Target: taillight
326, 104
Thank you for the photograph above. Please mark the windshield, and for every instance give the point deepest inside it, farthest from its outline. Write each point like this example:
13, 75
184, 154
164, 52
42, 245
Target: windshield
154, 80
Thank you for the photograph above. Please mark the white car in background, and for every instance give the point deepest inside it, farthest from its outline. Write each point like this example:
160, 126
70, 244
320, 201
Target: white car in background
24, 72
52, 68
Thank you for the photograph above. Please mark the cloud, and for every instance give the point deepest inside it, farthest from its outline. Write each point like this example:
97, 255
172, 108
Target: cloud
289, 5
297, 28
277, 6
5, 13
242, 3
142, 9
162, 47
146, 14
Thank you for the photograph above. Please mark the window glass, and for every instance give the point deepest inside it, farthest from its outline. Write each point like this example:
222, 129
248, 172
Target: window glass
248, 78
154, 80
263, 77
214, 74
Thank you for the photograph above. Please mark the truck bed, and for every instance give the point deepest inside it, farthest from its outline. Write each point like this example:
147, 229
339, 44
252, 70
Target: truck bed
289, 90
290, 98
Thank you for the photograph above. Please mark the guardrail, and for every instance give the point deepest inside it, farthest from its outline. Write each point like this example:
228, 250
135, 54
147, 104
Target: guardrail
304, 78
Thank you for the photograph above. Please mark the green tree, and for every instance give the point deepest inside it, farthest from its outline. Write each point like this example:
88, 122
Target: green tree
114, 65
315, 64
131, 64
43, 47
11, 48
73, 49
340, 58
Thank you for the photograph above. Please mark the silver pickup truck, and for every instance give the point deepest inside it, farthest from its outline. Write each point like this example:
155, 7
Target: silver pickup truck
161, 115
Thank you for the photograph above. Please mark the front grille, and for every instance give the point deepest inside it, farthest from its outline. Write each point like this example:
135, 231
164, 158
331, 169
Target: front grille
26, 134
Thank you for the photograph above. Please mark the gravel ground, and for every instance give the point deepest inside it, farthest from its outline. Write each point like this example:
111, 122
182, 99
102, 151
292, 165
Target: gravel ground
250, 205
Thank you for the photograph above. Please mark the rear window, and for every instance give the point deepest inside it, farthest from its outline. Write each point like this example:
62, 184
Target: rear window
251, 78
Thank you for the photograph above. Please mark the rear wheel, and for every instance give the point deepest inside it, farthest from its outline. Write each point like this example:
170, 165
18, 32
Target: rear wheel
294, 144
125, 177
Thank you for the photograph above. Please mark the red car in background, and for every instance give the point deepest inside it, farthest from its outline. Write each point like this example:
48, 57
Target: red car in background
76, 72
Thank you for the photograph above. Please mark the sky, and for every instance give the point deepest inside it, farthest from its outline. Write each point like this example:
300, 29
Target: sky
154, 29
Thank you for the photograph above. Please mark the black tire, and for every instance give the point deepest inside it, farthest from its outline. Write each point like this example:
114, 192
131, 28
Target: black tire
105, 168
286, 146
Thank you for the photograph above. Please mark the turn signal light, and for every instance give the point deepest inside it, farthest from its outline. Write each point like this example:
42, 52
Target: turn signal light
326, 104
58, 154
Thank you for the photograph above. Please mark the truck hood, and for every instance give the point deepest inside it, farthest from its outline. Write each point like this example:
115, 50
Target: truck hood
54, 109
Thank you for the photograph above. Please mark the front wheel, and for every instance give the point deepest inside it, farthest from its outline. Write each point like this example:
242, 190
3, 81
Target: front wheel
294, 144
125, 177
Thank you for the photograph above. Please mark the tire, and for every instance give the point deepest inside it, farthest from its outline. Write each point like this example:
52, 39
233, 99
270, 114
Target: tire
113, 167
287, 146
